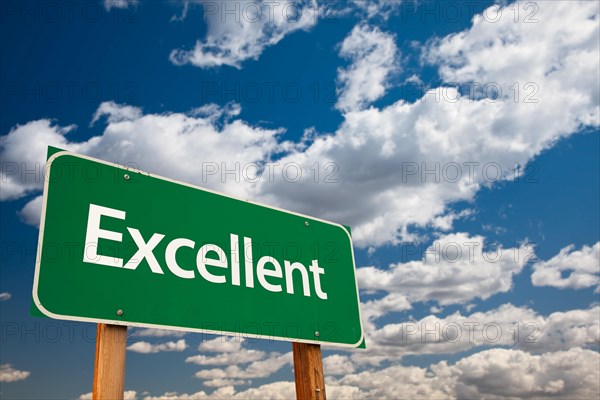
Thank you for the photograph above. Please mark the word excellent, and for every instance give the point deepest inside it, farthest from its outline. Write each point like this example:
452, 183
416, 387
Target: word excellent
218, 260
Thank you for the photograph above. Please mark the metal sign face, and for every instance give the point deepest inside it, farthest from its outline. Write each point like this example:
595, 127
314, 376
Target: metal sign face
124, 247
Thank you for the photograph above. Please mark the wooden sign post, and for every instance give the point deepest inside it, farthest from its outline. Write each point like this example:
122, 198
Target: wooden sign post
109, 367
308, 372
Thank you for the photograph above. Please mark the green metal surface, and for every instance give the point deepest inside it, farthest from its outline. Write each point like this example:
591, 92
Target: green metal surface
67, 287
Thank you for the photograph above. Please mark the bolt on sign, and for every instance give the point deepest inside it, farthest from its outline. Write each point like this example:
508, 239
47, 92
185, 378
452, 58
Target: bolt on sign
125, 247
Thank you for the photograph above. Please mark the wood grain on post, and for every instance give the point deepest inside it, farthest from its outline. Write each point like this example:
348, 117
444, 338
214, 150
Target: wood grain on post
109, 367
308, 372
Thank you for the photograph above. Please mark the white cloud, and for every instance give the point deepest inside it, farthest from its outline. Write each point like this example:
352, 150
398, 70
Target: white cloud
242, 356
382, 155
505, 326
435, 382
257, 369
23, 151
562, 330
110, 4
127, 395
224, 382
270, 391
378, 8
30, 214
393, 302
9, 374
214, 111
582, 266
435, 310
153, 332
500, 373
166, 144
245, 31
337, 365
558, 53
222, 344
194, 396
5, 296
491, 374
116, 112
455, 269
374, 59
374, 151
145, 347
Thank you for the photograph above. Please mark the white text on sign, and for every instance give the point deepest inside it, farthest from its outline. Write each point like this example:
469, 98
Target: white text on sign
269, 278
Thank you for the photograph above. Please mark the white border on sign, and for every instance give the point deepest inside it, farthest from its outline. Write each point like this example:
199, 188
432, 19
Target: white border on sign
170, 327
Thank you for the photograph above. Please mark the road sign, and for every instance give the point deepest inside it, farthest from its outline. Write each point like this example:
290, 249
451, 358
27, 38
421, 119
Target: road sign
121, 246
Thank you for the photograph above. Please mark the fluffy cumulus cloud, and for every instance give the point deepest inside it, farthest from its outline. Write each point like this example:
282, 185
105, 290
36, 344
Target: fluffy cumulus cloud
181, 146
336, 364
508, 325
145, 347
262, 368
533, 337
494, 374
223, 344
127, 395
118, 112
241, 30
401, 165
373, 59
456, 268
435, 382
451, 334
386, 170
270, 391
242, 356
500, 373
556, 51
491, 374
152, 332
235, 363
560, 331
378, 8
570, 268
30, 214
9, 374
23, 152
392, 302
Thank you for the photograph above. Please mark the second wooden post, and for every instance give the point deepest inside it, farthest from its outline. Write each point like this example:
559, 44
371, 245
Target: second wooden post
308, 372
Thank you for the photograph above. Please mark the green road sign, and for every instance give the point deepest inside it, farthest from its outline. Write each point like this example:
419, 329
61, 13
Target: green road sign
122, 246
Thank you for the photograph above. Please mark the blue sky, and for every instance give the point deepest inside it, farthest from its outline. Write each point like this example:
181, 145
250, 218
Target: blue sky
442, 127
